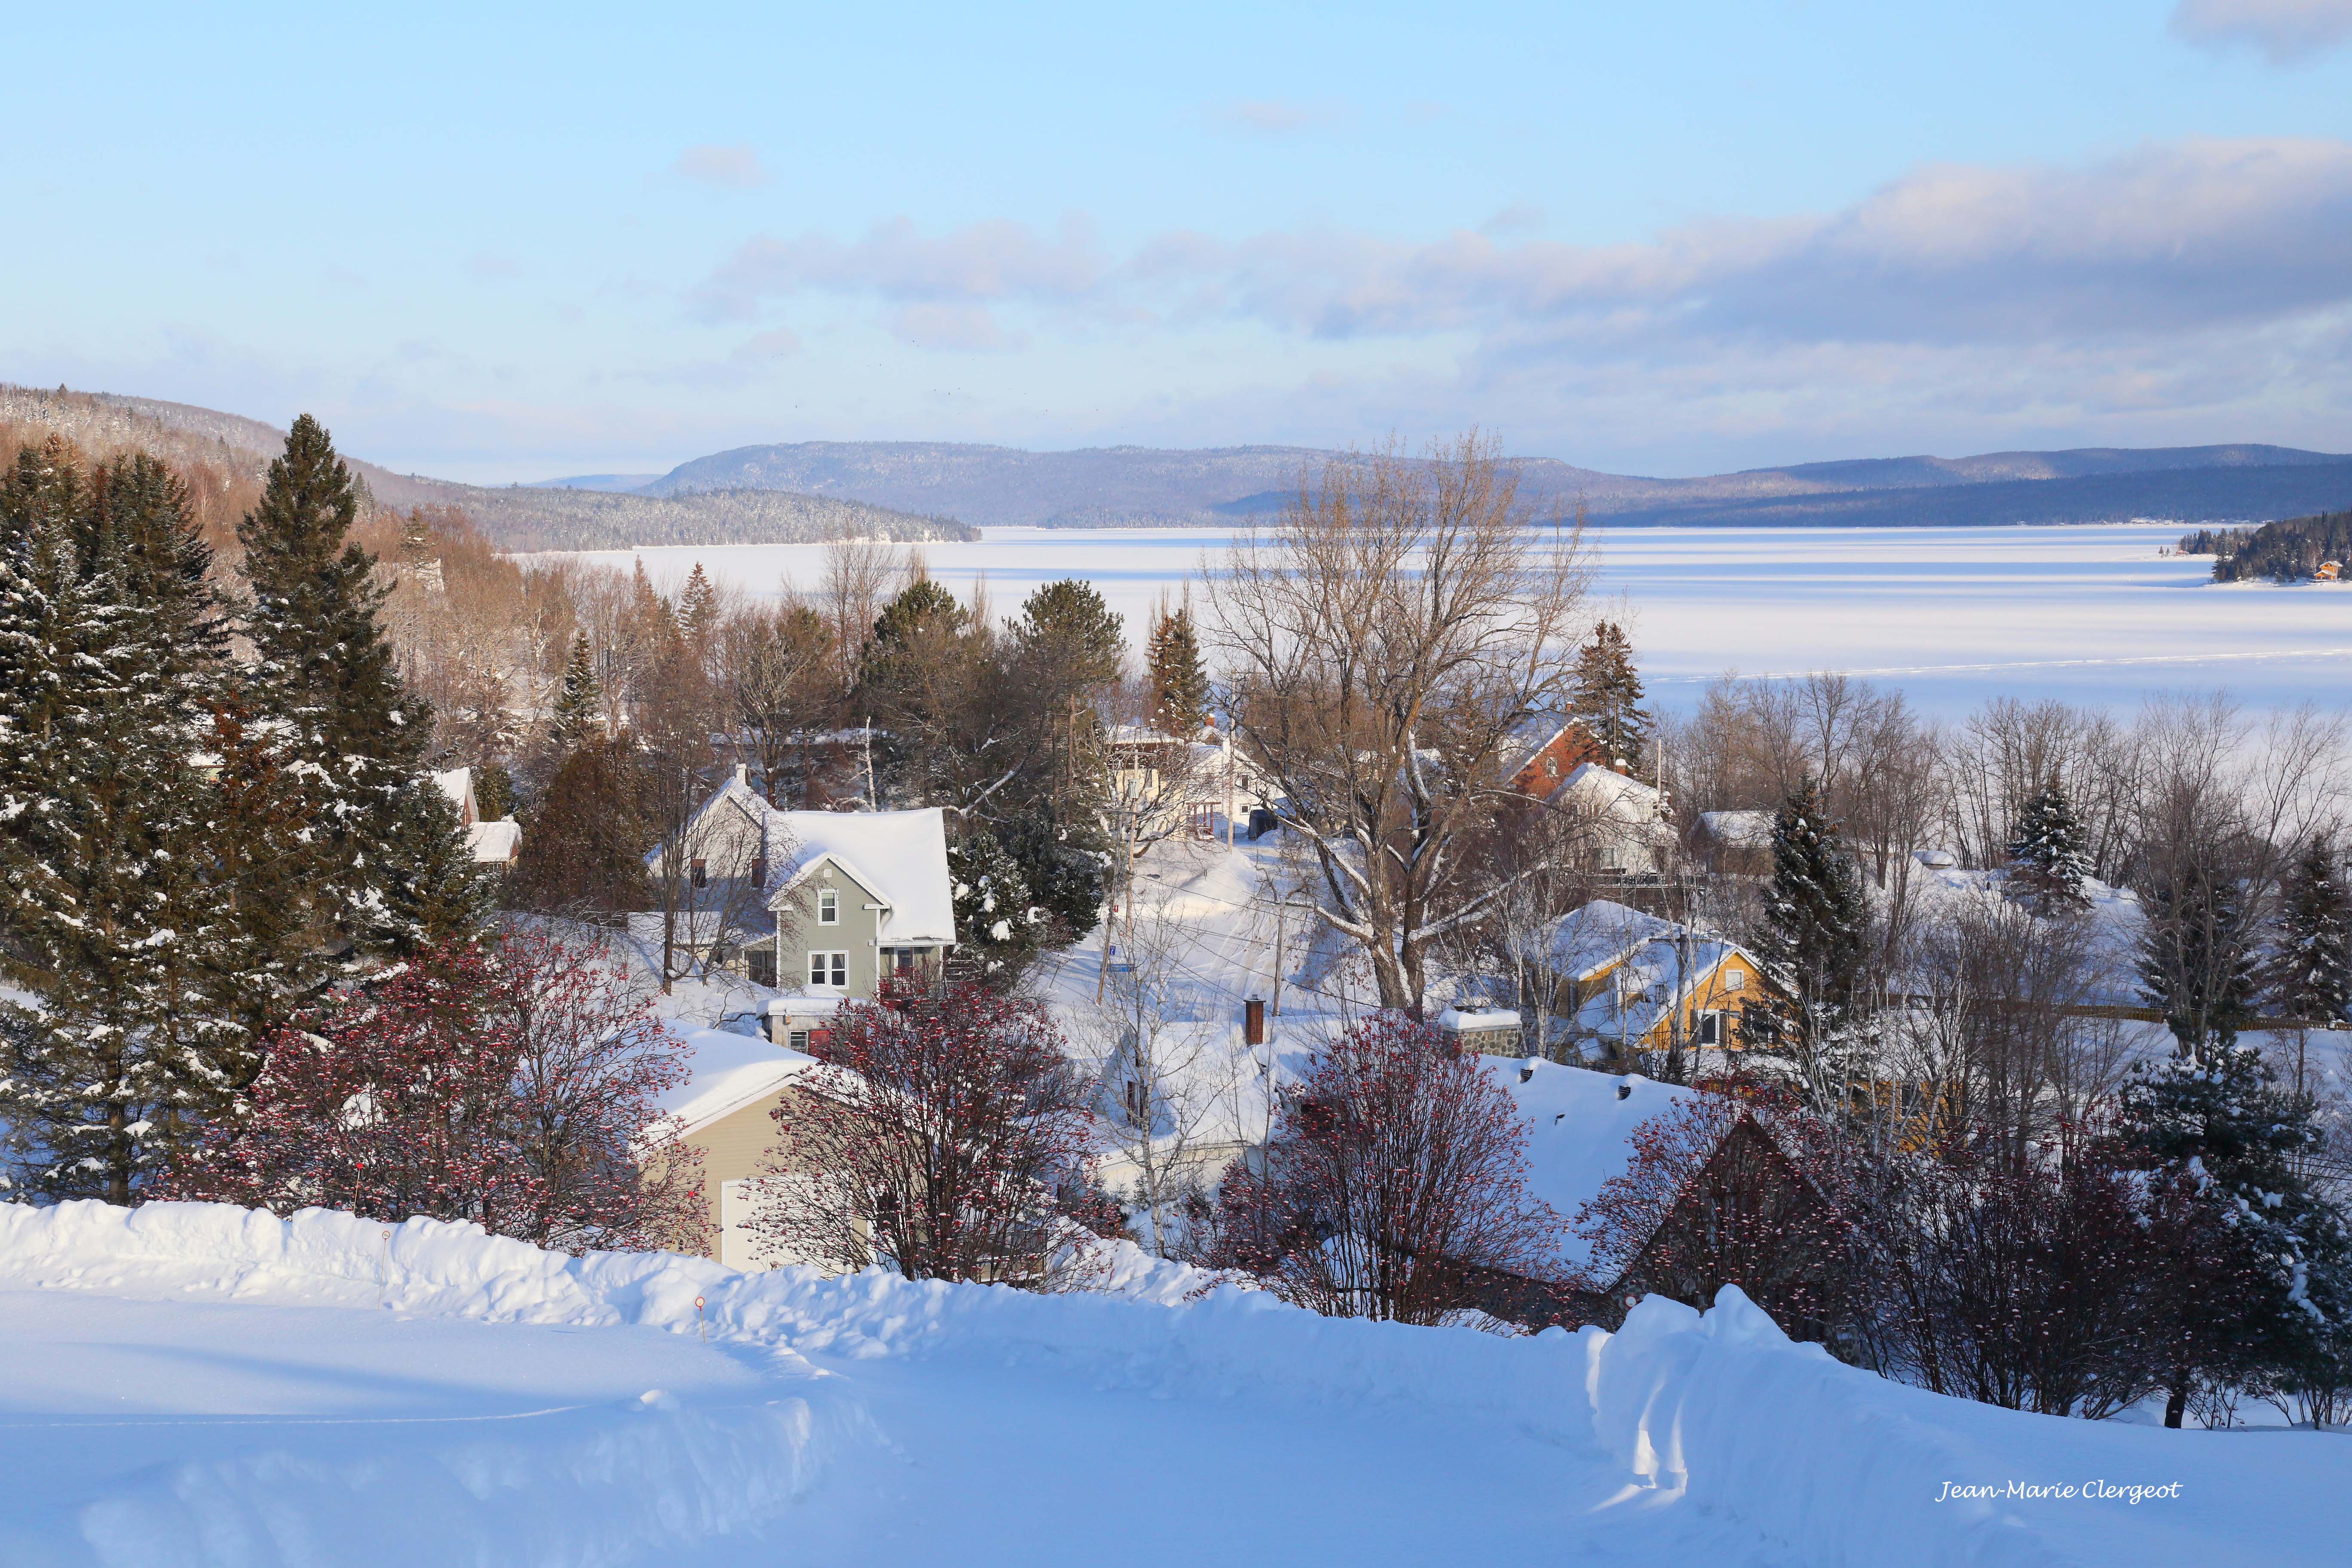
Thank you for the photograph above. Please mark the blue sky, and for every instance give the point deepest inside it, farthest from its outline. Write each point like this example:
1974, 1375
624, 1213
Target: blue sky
505, 242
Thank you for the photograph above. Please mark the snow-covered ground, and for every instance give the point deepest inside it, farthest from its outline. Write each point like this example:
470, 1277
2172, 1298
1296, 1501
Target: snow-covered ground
2091, 615
195, 1384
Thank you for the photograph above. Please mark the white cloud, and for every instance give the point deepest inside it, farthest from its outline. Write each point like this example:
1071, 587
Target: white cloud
970, 328
2285, 30
733, 166
983, 262
2147, 296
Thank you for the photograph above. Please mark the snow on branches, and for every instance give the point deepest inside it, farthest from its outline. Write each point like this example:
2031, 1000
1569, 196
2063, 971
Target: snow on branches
512, 1084
1395, 1185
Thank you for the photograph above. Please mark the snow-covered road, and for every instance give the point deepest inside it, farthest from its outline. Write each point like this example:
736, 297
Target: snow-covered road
190, 1385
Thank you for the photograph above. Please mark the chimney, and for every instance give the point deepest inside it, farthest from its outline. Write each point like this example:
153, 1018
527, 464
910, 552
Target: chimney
1254, 1021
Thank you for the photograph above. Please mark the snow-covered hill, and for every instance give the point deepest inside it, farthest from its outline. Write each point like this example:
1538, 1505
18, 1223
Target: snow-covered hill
199, 1384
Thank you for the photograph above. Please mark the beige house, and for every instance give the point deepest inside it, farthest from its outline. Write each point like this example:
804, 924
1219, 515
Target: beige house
726, 1112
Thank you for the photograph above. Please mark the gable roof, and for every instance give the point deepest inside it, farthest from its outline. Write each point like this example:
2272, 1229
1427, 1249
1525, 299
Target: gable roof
726, 1072
902, 856
1580, 1132
1586, 941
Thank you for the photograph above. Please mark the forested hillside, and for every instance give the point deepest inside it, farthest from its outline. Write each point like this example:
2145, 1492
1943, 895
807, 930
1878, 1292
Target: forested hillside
222, 456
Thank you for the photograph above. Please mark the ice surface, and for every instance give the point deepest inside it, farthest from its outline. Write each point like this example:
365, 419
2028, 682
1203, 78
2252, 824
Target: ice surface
2089, 613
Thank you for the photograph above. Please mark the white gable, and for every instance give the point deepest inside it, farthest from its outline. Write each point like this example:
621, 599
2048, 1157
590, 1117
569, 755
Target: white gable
899, 855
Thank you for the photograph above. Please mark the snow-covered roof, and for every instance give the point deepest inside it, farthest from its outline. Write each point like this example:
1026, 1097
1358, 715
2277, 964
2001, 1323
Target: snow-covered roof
2117, 923
900, 856
1581, 1131
807, 1002
1622, 795
1738, 829
1461, 1020
1600, 933
727, 1072
457, 785
494, 843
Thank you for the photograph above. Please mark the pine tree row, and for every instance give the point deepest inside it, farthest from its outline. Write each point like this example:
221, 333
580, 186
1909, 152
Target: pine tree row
192, 843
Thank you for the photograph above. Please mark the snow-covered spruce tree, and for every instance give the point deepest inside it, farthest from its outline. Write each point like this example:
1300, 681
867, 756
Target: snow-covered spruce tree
579, 699
1607, 695
999, 926
1811, 941
2309, 975
1180, 685
2276, 1306
1064, 866
2196, 959
2049, 854
107, 916
325, 673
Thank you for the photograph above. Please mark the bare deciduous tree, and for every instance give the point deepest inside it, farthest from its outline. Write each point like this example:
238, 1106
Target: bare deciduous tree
1385, 638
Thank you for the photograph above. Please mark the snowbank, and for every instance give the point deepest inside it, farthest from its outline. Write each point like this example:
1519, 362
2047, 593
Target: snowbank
1715, 1416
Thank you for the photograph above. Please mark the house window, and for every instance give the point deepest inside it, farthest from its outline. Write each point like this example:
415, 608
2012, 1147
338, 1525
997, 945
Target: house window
700, 869
1136, 1101
902, 962
1735, 979
762, 965
828, 969
797, 1039
1707, 1030
828, 907
759, 870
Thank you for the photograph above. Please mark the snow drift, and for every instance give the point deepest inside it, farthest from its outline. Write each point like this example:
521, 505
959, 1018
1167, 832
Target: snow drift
1679, 1414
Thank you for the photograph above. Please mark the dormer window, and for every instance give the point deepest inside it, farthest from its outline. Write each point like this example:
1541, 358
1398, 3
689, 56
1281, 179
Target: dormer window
828, 907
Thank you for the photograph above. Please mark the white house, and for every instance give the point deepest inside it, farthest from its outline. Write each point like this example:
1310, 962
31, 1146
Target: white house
1620, 821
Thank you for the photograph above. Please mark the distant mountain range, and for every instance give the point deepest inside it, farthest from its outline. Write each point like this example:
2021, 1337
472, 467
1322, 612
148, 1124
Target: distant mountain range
938, 490
516, 517
1141, 487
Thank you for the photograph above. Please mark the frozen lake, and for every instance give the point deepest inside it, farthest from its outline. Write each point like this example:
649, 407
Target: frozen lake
2090, 614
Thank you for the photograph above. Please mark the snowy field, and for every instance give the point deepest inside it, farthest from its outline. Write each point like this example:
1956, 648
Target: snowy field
2089, 614
198, 1384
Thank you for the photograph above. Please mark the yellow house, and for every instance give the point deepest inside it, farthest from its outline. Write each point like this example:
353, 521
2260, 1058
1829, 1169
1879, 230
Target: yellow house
1624, 984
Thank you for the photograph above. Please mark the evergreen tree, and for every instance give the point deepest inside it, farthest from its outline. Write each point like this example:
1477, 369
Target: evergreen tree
1069, 638
325, 672
2197, 960
1812, 941
998, 926
433, 893
579, 699
2277, 1305
2049, 857
1180, 686
494, 791
1064, 866
109, 917
2310, 972
1607, 695
698, 612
